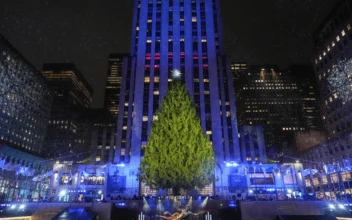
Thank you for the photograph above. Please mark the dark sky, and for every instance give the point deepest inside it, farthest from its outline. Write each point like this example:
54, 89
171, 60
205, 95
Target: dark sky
86, 31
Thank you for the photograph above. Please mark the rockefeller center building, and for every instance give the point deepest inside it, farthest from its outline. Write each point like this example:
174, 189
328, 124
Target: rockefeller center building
182, 35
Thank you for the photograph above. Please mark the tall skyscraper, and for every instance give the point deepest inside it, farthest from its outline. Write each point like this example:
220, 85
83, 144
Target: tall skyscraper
25, 101
304, 77
72, 95
285, 102
333, 41
269, 97
113, 83
333, 68
182, 35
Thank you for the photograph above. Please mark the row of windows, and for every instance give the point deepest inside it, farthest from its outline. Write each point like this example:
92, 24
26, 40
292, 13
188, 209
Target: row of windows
330, 46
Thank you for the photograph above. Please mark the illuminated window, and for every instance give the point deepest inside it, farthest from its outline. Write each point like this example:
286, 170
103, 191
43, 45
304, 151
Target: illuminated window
194, 19
155, 117
204, 40
150, 20
182, 39
338, 38
209, 132
156, 79
329, 48
206, 92
97, 158
137, 28
124, 127
145, 118
156, 92
343, 33
333, 43
206, 80
149, 41
146, 79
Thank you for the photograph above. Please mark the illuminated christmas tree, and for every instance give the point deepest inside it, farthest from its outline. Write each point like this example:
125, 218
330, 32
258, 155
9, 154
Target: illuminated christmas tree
178, 154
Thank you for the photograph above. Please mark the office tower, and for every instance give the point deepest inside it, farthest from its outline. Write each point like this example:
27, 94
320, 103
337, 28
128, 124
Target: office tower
308, 92
182, 35
333, 40
113, 83
72, 96
332, 63
269, 97
25, 101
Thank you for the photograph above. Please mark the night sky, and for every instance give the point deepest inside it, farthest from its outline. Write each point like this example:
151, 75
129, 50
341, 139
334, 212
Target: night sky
87, 31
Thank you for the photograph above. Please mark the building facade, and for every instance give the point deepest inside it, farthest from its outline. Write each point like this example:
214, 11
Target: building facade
103, 136
332, 150
331, 182
25, 101
252, 144
333, 41
308, 92
81, 183
72, 97
113, 83
169, 35
269, 97
23, 176
284, 102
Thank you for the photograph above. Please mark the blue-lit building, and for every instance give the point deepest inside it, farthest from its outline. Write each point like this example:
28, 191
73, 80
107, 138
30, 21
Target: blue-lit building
184, 35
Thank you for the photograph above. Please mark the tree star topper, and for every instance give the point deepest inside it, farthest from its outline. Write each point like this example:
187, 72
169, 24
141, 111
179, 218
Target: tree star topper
176, 74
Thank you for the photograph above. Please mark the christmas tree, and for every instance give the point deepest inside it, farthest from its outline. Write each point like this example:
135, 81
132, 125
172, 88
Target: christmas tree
178, 155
